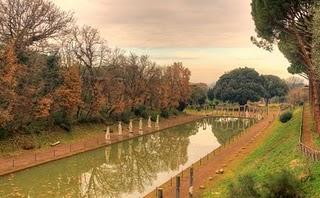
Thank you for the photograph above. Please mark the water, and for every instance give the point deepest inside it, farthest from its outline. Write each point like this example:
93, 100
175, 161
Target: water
129, 169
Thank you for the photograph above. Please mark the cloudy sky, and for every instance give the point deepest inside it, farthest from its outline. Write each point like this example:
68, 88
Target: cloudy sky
209, 36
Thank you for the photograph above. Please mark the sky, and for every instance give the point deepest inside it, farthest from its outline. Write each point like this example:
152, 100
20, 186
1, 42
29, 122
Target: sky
210, 37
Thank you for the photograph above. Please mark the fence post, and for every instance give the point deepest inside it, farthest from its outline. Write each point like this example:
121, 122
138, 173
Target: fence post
159, 193
191, 183
178, 186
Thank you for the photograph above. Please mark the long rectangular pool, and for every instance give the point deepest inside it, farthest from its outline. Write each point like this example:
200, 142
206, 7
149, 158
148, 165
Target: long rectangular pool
128, 169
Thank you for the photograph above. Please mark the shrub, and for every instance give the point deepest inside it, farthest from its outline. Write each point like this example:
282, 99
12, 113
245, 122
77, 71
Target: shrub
126, 116
153, 115
174, 111
281, 184
286, 116
164, 113
244, 187
141, 111
3, 133
36, 127
28, 144
60, 118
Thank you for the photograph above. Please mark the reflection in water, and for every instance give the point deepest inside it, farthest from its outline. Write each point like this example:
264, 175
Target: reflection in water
128, 169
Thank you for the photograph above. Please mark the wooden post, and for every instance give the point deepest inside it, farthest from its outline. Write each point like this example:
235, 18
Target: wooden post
191, 183
178, 186
159, 193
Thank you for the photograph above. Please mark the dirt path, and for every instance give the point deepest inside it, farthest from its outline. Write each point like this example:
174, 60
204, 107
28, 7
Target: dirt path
29, 159
223, 158
307, 137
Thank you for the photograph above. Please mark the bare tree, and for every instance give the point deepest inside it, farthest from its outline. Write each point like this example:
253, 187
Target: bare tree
29, 22
88, 46
295, 82
90, 51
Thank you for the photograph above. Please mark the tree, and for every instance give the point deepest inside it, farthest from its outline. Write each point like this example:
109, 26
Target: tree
8, 83
274, 86
289, 23
175, 88
29, 22
90, 51
68, 95
198, 94
294, 82
240, 85
210, 94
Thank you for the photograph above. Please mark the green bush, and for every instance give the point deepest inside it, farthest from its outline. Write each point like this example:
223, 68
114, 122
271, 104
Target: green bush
126, 116
282, 184
244, 187
153, 115
165, 113
286, 116
174, 111
3, 133
141, 111
60, 119
36, 127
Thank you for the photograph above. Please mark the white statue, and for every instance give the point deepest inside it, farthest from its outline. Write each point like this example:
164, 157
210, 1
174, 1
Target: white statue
120, 128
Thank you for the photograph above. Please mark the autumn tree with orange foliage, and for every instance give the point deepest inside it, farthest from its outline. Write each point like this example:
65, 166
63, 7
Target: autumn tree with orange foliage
8, 83
79, 78
68, 97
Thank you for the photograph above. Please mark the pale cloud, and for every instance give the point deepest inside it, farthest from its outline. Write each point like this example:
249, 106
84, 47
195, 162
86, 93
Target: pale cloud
208, 36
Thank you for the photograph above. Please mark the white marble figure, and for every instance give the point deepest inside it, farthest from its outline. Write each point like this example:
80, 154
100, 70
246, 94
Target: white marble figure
130, 126
108, 137
120, 128
140, 126
157, 122
149, 122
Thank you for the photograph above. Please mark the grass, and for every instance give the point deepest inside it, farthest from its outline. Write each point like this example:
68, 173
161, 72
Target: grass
315, 135
12, 146
278, 152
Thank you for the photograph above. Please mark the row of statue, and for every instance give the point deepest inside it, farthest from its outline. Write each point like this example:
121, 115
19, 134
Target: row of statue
130, 127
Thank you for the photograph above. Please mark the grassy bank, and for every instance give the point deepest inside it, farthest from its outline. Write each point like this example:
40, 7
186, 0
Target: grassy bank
278, 151
14, 144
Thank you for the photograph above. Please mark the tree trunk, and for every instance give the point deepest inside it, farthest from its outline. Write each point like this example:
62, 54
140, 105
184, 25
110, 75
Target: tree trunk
315, 93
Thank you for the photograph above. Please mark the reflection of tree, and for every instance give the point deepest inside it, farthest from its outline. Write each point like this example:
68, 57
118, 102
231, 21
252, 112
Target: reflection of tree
119, 169
226, 128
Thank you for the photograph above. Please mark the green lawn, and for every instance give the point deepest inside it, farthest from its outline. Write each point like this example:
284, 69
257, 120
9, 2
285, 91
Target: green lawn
278, 152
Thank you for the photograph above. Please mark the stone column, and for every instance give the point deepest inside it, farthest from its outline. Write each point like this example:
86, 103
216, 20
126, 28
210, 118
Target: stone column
149, 122
120, 128
140, 126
